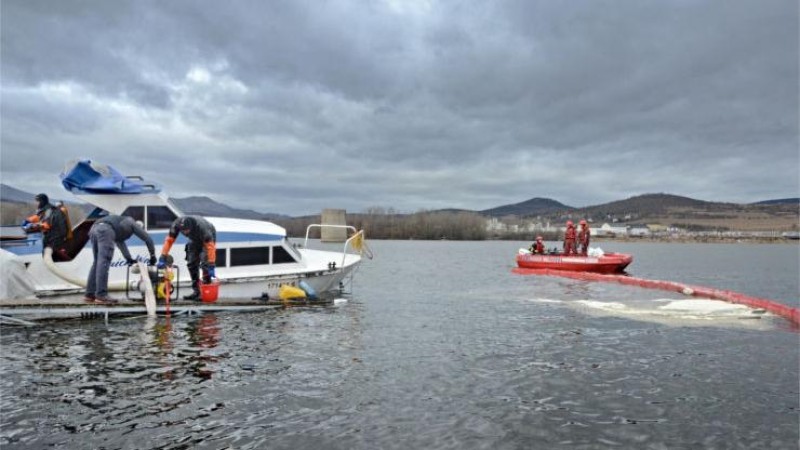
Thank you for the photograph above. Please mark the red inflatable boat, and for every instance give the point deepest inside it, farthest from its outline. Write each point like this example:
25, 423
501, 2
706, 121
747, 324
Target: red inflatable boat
607, 263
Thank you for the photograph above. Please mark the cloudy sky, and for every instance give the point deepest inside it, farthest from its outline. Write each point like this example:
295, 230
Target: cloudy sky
293, 106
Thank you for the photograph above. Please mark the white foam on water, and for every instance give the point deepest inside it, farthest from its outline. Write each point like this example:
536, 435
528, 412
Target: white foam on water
678, 312
339, 301
705, 306
609, 306
545, 300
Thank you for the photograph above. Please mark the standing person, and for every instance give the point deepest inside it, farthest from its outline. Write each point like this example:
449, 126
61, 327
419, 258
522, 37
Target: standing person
569, 239
52, 222
583, 238
202, 247
537, 248
104, 234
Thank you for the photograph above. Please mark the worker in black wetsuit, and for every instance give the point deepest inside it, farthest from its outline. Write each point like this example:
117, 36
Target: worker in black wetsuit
201, 248
51, 221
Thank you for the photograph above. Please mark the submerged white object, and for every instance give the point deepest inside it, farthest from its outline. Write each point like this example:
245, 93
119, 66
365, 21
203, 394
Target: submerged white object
705, 307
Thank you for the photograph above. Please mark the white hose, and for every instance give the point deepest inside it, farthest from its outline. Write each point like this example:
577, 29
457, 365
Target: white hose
48, 261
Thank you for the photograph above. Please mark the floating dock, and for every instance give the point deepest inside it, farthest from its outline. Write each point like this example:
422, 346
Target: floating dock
23, 311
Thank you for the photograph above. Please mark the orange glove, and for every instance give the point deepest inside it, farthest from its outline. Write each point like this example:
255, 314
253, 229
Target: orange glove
211, 251
168, 241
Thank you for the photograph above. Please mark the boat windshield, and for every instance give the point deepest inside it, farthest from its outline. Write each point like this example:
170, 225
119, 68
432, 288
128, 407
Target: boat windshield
292, 249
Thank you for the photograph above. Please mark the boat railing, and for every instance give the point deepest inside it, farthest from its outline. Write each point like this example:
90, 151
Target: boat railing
320, 225
140, 178
355, 241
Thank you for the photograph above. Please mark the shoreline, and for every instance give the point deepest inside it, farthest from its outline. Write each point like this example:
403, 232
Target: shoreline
681, 240
703, 240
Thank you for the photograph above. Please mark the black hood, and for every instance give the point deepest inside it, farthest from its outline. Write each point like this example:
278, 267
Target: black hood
42, 199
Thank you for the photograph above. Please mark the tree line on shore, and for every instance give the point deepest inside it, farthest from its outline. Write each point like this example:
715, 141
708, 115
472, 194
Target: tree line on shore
381, 223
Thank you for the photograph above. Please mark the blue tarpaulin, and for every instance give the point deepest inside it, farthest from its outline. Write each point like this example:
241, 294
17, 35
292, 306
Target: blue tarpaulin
85, 175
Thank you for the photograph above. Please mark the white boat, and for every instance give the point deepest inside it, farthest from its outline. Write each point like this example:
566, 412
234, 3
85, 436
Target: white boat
254, 258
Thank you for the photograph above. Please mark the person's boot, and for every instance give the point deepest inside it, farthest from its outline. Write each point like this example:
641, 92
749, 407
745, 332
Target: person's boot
195, 295
194, 274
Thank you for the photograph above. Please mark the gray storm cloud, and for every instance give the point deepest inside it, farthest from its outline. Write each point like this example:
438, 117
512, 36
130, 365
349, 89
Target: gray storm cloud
292, 107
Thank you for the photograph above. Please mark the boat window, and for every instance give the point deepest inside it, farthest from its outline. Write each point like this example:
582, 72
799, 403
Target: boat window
137, 212
222, 257
97, 213
250, 256
281, 256
159, 217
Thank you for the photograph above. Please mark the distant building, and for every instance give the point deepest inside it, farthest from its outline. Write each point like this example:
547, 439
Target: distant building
494, 224
607, 230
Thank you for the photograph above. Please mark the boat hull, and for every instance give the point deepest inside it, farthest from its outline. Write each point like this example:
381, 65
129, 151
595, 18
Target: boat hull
608, 263
237, 282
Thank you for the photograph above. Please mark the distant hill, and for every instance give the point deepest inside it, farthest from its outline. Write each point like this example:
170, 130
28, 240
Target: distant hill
684, 212
780, 201
451, 211
190, 205
646, 205
533, 207
205, 206
14, 195
664, 209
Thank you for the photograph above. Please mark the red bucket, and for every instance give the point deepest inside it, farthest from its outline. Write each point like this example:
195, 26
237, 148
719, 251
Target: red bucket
209, 292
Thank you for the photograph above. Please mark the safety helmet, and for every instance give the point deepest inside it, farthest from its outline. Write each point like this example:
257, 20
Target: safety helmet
570, 224
42, 198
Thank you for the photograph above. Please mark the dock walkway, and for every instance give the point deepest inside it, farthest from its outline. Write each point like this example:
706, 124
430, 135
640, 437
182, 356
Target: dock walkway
21, 311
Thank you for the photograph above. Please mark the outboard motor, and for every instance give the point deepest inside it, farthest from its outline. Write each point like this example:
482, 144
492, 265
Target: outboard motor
164, 281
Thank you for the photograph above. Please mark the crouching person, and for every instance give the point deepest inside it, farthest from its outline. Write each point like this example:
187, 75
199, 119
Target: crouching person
537, 248
104, 234
201, 249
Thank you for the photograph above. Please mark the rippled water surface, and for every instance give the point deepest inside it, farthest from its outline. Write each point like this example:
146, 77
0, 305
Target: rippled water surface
439, 346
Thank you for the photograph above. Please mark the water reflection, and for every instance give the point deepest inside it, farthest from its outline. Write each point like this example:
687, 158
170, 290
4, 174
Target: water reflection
469, 358
207, 331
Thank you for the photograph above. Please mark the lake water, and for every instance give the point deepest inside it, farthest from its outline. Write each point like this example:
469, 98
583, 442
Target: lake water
439, 346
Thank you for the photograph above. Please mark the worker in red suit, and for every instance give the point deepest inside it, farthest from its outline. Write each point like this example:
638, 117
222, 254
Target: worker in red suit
569, 239
537, 248
583, 238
